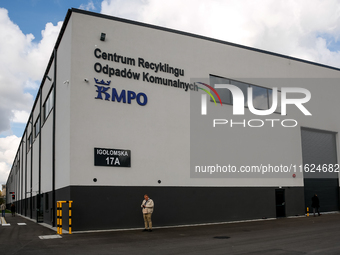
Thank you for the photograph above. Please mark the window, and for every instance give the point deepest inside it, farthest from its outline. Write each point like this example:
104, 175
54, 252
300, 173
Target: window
225, 94
244, 87
37, 127
29, 142
48, 104
270, 95
262, 97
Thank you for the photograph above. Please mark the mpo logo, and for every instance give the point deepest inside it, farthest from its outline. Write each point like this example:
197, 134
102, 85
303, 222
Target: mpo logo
238, 99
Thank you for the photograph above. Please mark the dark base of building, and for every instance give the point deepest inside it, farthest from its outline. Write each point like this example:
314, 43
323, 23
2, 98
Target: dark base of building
107, 207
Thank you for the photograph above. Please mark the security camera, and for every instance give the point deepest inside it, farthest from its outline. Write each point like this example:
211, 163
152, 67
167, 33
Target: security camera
86, 79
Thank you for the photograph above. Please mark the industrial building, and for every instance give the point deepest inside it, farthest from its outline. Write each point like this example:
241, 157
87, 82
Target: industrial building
122, 111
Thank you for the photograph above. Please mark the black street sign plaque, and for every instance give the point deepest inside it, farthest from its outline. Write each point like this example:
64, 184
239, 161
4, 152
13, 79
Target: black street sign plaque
112, 157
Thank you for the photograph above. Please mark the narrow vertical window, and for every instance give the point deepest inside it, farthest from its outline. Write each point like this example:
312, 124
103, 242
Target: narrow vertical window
48, 105
37, 127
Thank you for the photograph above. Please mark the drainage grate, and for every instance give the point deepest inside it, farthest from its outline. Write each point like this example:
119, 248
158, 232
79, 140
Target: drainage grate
221, 237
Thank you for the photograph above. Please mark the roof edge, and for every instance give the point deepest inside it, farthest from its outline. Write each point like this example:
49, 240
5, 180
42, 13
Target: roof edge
99, 15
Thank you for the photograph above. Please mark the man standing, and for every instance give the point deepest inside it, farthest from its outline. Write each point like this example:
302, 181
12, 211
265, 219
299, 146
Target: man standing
147, 206
13, 210
315, 204
3, 209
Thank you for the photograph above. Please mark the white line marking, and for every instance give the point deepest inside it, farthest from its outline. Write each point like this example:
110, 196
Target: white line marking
3, 221
50, 237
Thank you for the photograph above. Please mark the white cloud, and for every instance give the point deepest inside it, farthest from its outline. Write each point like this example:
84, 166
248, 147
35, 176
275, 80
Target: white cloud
8, 149
131, 9
20, 116
4, 171
88, 7
22, 65
298, 28
29, 84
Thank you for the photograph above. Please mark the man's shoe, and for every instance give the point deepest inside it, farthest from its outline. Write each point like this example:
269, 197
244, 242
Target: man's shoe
150, 230
144, 230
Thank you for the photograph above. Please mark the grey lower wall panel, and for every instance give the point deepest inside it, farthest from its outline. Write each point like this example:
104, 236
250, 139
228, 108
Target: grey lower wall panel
294, 201
107, 207
327, 191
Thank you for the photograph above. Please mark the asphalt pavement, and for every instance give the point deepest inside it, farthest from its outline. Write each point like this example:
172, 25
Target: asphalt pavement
289, 236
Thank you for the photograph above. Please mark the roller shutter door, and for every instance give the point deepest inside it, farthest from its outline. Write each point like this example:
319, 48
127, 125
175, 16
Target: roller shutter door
318, 148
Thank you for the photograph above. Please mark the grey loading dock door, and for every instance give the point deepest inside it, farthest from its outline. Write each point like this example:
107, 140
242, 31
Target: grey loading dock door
319, 148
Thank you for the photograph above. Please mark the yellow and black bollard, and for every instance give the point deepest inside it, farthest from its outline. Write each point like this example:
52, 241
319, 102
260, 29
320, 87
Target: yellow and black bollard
59, 214
307, 211
70, 217
60, 217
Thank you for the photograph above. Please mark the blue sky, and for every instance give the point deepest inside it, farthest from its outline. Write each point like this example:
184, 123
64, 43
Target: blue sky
23, 62
300, 28
32, 15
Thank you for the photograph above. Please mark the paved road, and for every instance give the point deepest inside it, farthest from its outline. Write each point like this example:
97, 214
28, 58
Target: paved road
288, 236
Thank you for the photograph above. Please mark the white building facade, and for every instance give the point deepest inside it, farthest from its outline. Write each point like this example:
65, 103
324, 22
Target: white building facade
119, 115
